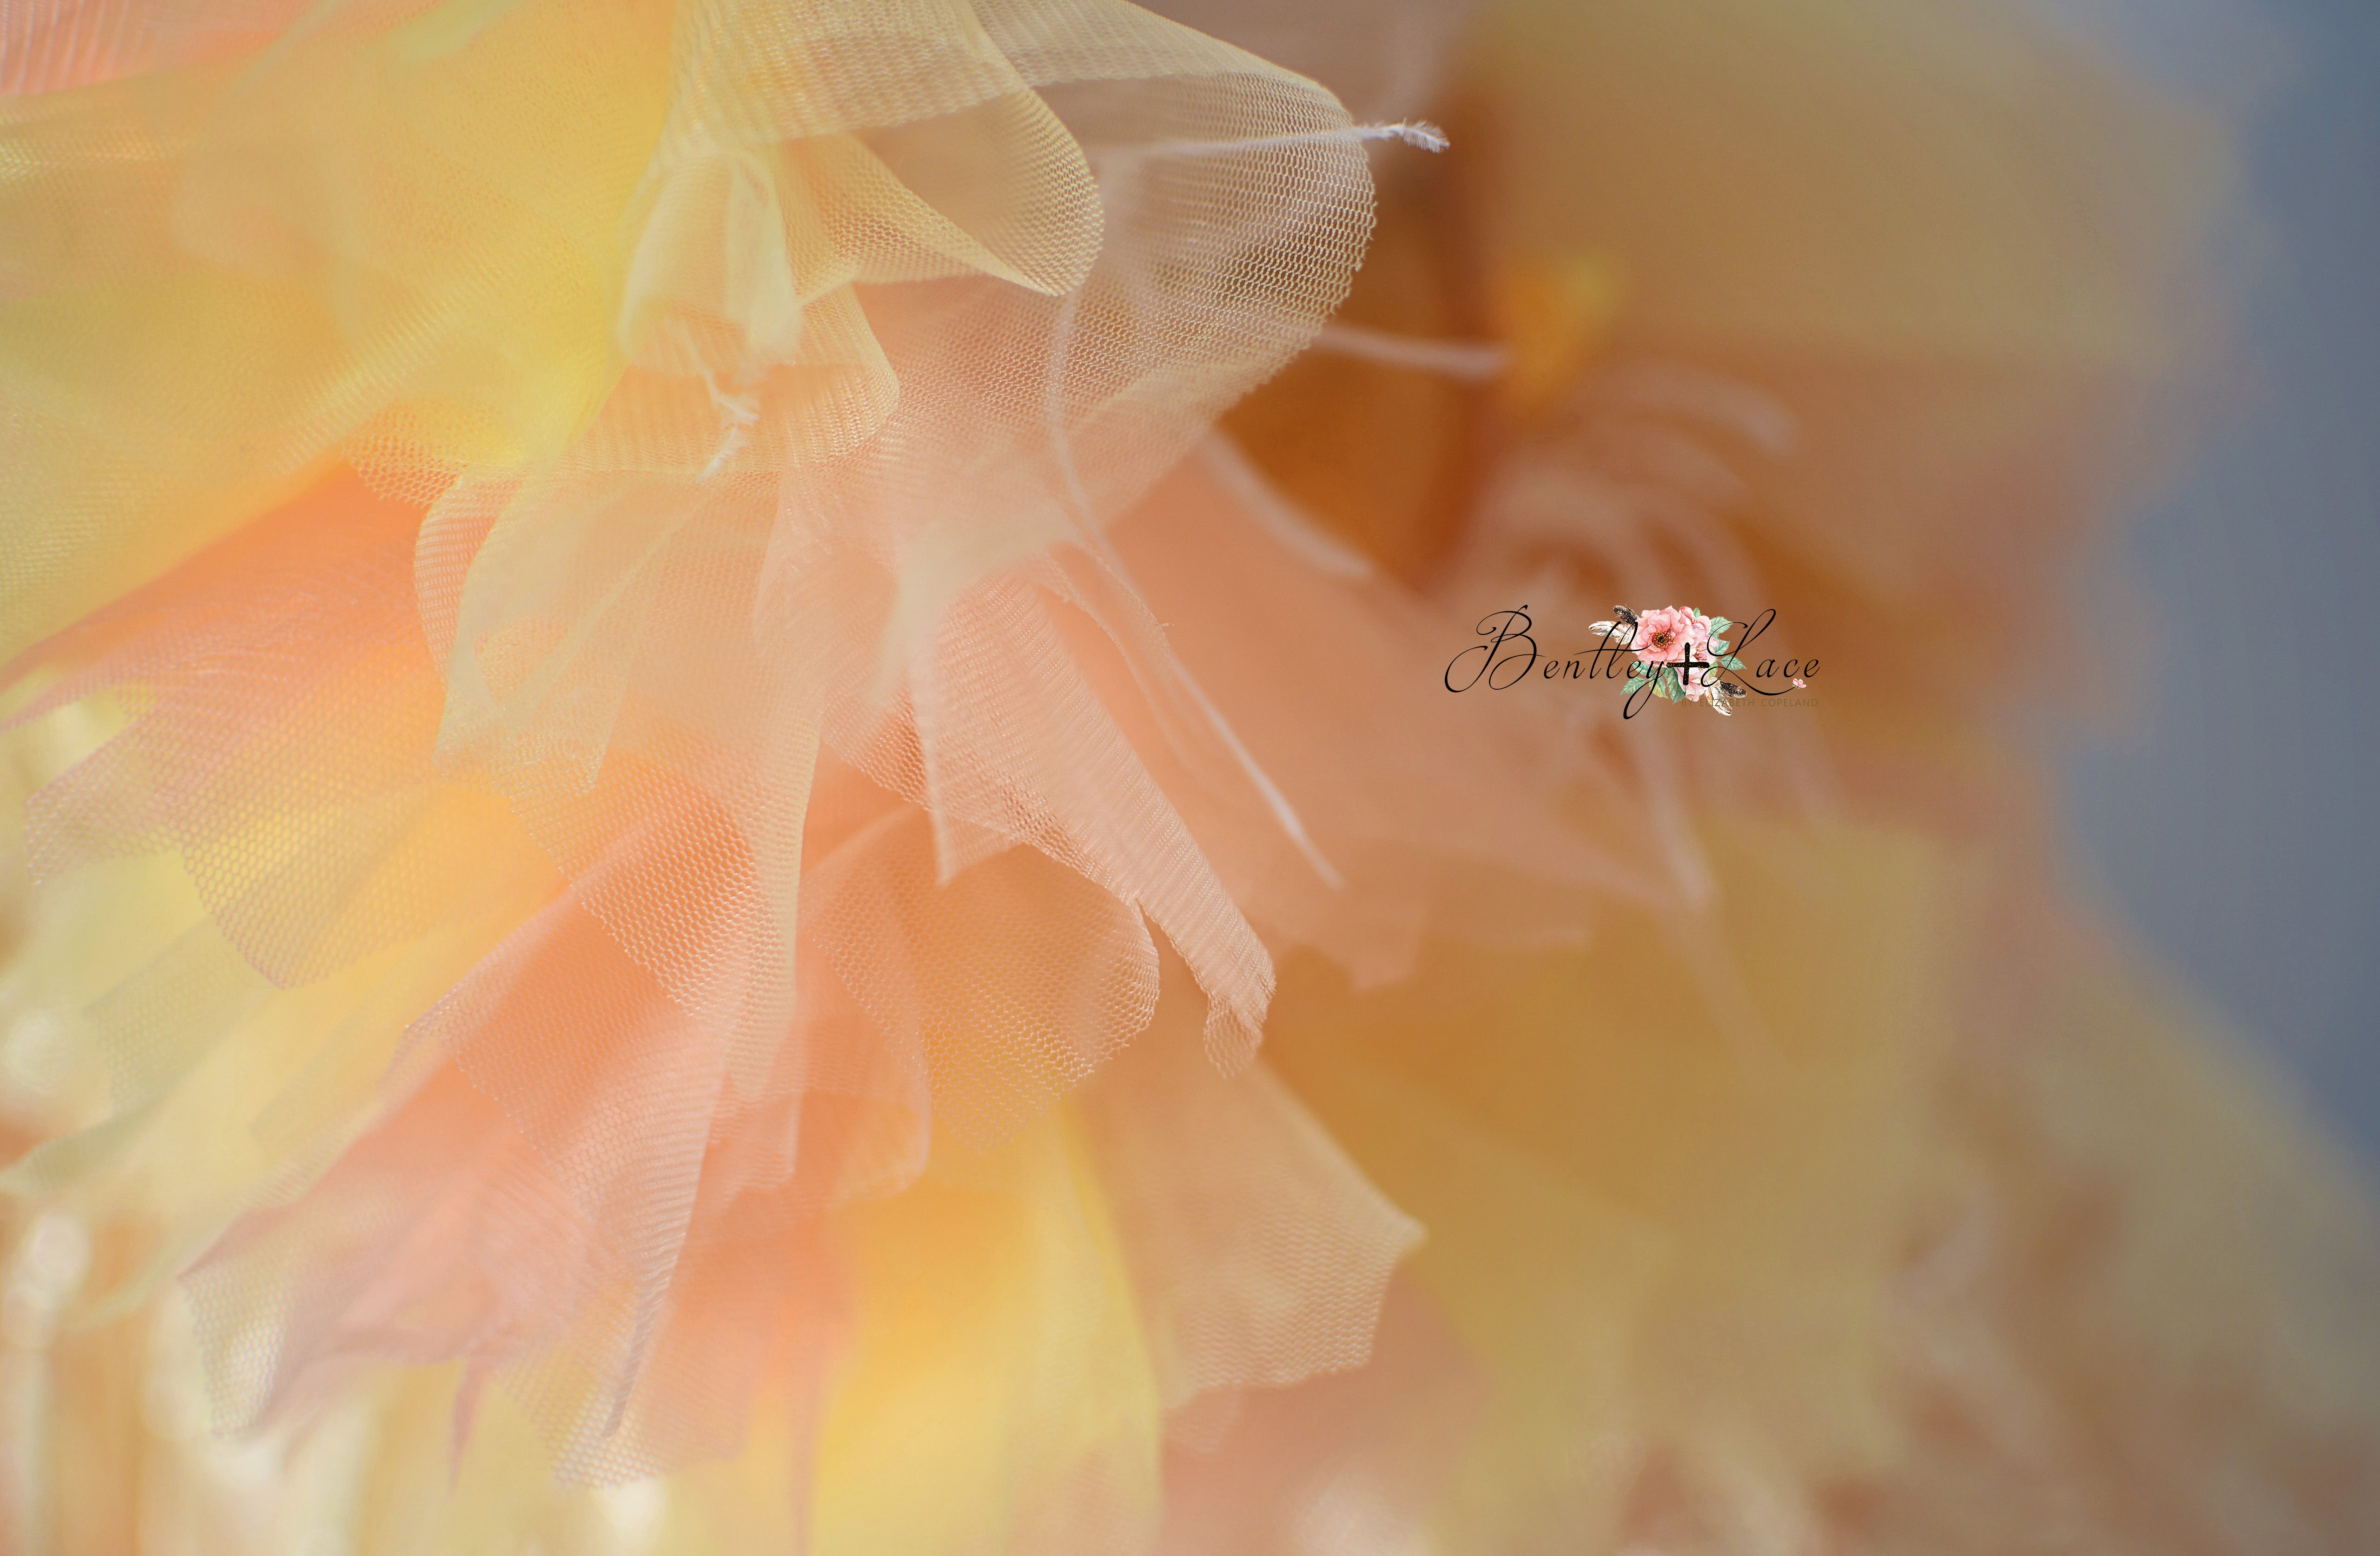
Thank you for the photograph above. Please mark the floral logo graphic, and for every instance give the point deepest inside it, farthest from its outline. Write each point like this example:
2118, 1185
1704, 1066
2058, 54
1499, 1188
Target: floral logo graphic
1675, 652
1679, 652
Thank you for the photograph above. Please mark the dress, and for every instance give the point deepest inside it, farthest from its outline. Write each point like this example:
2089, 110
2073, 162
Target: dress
743, 816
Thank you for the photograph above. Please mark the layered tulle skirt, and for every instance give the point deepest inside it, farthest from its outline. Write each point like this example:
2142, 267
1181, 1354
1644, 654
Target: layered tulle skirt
740, 821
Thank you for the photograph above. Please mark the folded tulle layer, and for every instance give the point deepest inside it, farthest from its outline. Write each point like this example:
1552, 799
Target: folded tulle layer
756, 753
702, 870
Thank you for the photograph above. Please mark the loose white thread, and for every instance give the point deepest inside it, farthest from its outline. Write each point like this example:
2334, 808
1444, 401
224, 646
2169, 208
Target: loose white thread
1280, 518
1472, 361
1412, 132
741, 412
1426, 137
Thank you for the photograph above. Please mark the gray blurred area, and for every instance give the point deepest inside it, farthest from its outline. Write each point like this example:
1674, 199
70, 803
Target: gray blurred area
2238, 830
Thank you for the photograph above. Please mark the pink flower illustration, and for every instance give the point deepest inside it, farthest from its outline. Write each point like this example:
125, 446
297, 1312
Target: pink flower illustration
1662, 635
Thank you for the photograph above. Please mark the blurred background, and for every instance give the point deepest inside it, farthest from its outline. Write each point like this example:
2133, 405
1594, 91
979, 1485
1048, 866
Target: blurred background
2236, 827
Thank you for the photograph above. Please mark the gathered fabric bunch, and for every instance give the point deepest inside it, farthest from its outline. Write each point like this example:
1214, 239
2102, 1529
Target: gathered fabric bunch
736, 822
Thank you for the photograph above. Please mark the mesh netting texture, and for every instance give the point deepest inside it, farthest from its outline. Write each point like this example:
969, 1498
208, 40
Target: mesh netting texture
736, 823
713, 677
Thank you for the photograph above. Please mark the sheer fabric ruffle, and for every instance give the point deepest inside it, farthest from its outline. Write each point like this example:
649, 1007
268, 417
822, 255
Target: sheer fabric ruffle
740, 829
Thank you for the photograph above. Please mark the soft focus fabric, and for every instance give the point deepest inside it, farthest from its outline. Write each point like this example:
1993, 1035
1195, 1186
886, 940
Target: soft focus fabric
736, 822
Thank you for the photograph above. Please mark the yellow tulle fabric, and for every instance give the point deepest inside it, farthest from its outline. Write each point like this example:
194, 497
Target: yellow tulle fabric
734, 824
